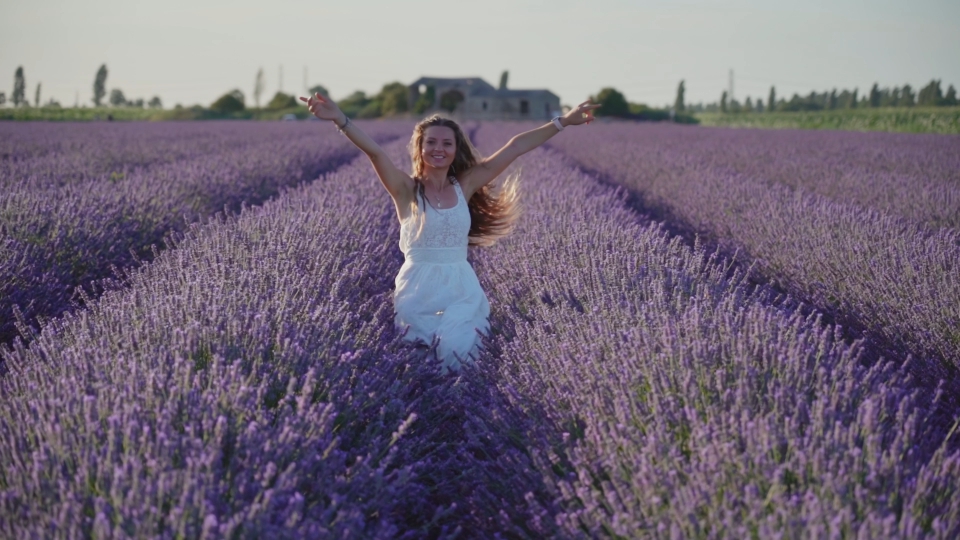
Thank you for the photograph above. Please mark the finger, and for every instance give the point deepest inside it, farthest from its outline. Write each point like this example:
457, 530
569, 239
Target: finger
304, 99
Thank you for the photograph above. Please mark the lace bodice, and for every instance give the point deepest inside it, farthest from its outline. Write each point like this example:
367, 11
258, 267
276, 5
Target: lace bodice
443, 228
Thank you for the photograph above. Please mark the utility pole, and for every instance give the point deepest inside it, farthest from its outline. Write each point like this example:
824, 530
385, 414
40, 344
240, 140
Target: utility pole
731, 84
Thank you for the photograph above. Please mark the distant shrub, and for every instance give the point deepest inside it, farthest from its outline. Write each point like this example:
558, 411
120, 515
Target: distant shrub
282, 101
394, 98
450, 99
612, 103
354, 103
232, 101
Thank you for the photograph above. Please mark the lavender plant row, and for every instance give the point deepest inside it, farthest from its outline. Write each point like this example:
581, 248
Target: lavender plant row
694, 404
859, 253
48, 155
249, 383
71, 210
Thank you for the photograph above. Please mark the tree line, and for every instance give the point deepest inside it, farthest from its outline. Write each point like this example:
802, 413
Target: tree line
930, 95
116, 99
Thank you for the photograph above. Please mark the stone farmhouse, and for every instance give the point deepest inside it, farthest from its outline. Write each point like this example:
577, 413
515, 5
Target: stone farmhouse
475, 99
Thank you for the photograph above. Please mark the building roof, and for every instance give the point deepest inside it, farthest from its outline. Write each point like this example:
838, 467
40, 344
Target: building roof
511, 93
475, 86
471, 84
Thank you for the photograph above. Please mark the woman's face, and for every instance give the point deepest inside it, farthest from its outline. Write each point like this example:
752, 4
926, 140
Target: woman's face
439, 147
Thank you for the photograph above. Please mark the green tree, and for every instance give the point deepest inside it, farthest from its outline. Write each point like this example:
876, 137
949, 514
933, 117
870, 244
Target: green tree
19, 88
354, 103
723, 101
772, 99
426, 100
450, 99
258, 85
890, 98
759, 105
3, 99
612, 103
282, 101
907, 97
318, 89
117, 99
853, 98
155, 103
36, 96
373, 109
832, 101
232, 101
748, 105
875, 95
951, 98
678, 104
393, 98
503, 79
100, 85
930, 95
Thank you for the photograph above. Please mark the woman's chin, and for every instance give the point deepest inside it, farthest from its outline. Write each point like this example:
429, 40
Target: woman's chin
436, 167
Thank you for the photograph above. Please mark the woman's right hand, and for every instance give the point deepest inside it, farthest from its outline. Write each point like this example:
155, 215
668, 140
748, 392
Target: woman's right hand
323, 108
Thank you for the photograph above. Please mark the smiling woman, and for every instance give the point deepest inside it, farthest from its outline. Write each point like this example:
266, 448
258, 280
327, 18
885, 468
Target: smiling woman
445, 205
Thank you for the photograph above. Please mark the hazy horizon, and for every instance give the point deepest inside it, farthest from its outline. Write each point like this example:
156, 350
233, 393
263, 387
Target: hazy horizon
191, 53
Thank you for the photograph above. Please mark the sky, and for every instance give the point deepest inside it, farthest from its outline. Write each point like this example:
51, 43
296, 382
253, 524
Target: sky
192, 51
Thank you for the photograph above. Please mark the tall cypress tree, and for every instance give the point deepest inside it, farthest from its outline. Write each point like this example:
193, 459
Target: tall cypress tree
36, 97
678, 104
258, 85
723, 101
907, 97
19, 88
100, 85
772, 100
875, 95
930, 95
950, 99
503, 79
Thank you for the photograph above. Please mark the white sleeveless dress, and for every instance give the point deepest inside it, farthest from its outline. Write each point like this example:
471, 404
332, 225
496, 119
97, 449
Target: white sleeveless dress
437, 292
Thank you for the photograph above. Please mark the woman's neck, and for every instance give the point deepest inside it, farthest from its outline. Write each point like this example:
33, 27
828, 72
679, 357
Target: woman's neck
437, 178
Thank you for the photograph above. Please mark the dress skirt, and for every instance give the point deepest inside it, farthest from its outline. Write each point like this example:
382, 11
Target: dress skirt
438, 294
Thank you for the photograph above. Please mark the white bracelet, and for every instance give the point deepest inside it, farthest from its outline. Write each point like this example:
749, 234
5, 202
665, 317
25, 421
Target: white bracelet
556, 122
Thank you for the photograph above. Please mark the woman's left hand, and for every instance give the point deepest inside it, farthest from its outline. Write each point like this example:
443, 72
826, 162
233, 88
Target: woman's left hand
581, 114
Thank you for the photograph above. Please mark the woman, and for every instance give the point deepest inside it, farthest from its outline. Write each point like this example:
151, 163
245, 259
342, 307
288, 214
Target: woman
444, 205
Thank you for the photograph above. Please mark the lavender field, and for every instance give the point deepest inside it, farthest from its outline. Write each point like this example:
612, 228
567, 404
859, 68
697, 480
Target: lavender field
79, 200
247, 382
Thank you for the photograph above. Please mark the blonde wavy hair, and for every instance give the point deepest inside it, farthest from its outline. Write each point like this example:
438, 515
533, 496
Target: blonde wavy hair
493, 212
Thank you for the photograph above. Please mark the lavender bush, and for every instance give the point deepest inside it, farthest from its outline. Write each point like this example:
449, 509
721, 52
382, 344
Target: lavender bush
697, 405
862, 225
79, 200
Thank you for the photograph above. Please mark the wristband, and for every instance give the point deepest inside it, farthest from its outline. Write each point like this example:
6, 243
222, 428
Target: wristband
556, 122
344, 126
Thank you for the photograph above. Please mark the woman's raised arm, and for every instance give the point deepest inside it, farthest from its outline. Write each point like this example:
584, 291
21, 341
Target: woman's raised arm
484, 172
397, 183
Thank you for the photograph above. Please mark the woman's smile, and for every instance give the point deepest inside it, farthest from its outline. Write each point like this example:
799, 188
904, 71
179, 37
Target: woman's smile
439, 146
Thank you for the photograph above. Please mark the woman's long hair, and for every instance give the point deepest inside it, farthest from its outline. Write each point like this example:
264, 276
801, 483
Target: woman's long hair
492, 212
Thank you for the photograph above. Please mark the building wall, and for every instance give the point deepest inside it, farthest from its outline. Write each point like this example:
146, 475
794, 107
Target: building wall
511, 108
